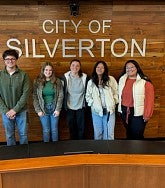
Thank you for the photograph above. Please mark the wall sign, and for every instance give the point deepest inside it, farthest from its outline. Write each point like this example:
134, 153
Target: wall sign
69, 45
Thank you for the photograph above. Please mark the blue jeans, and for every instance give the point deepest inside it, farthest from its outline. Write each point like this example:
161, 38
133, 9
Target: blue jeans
49, 124
103, 126
21, 122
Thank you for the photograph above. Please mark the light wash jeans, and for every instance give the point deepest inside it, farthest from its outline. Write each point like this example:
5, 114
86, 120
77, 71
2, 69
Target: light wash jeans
103, 130
21, 122
49, 124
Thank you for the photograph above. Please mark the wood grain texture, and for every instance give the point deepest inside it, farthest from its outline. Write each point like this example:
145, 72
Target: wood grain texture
89, 171
129, 20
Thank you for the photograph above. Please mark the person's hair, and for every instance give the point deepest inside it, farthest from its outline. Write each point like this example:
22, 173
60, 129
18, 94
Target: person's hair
10, 52
80, 71
139, 70
41, 78
105, 77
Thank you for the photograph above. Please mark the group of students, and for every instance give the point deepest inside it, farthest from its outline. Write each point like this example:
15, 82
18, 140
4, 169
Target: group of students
133, 95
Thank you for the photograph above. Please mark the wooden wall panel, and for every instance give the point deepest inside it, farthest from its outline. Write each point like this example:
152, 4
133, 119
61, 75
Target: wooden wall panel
129, 20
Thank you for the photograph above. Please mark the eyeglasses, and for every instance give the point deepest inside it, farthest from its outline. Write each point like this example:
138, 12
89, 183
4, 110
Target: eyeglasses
128, 68
12, 59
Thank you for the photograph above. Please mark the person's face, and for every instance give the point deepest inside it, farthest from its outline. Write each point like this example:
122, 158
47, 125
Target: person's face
48, 71
10, 61
100, 69
75, 67
131, 70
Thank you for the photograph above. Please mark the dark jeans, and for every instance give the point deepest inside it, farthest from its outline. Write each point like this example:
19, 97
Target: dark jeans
135, 126
76, 123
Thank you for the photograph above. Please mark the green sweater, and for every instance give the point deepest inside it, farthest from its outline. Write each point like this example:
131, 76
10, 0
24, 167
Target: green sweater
14, 90
48, 93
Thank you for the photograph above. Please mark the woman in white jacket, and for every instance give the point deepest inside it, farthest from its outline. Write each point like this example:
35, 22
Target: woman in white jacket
102, 97
136, 100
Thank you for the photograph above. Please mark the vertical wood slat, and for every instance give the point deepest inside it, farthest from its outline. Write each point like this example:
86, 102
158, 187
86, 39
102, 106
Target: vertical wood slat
1, 186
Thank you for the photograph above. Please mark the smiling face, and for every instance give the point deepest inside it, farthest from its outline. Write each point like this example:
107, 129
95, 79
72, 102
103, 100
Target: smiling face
48, 71
75, 67
10, 62
100, 69
131, 70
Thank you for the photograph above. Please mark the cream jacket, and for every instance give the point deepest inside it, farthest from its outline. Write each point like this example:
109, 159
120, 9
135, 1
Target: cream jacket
111, 96
138, 94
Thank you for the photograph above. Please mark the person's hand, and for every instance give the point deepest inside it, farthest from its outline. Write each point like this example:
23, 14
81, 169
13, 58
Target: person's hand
40, 114
145, 119
56, 113
11, 114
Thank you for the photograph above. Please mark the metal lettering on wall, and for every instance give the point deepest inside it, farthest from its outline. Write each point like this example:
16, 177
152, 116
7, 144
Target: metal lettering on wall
84, 44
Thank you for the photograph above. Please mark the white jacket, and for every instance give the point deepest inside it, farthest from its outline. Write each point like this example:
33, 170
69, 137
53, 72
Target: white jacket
138, 94
111, 96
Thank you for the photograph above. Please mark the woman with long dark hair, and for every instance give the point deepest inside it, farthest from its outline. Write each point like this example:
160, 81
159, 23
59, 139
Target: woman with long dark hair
47, 101
102, 97
136, 99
